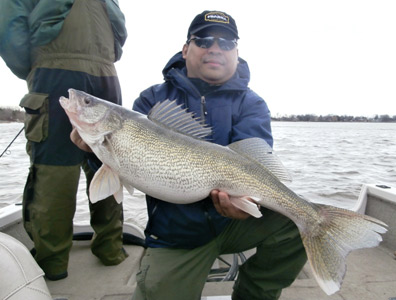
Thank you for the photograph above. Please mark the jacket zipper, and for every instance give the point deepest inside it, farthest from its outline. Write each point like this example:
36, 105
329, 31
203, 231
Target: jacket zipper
204, 112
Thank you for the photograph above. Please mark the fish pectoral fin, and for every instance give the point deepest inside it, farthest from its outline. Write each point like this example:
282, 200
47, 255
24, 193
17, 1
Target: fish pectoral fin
129, 188
119, 195
245, 203
104, 184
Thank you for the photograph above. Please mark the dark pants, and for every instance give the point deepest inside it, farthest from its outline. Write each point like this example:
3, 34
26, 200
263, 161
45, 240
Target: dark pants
179, 274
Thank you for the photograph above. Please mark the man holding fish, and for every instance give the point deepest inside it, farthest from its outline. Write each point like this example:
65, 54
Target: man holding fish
209, 79
199, 191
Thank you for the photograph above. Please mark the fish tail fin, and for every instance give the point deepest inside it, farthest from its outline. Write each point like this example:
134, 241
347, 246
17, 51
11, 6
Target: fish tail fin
339, 232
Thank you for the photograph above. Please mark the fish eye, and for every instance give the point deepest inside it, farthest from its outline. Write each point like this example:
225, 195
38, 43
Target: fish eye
87, 101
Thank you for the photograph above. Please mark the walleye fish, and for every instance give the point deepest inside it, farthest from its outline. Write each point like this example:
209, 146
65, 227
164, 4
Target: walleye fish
165, 155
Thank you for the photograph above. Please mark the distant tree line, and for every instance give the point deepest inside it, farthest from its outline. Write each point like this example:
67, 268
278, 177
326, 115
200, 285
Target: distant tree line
334, 118
11, 114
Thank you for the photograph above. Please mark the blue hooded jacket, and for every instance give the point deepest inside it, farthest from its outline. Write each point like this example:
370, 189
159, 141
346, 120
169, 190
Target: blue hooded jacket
234, 112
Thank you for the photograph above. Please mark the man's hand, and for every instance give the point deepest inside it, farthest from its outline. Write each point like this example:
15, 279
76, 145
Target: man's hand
224, 206
76, 139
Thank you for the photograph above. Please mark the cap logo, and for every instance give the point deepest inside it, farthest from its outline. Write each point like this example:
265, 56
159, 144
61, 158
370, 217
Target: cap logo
217, 17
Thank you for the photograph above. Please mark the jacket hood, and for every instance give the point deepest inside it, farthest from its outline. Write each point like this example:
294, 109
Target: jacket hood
177, 63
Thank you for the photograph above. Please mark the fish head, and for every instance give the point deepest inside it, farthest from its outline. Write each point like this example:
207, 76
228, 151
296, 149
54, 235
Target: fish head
93, 117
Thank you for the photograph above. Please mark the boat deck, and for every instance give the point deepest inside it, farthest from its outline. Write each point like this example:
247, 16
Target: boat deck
371, 275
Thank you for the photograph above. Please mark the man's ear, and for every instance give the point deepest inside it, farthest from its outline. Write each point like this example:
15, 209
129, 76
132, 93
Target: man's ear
184, 50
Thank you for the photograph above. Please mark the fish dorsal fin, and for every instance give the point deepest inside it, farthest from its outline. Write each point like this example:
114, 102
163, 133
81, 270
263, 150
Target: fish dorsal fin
258, 150
170, 114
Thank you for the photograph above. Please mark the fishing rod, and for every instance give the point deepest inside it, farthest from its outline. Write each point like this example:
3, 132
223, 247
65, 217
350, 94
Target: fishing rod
5, 150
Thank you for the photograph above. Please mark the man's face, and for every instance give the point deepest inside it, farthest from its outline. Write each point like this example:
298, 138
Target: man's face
213, 64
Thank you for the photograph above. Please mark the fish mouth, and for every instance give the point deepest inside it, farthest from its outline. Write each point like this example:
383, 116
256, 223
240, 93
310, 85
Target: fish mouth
64, 102
70, 107
69, 104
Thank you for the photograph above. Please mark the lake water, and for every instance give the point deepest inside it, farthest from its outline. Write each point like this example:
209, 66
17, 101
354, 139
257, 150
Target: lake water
329, 162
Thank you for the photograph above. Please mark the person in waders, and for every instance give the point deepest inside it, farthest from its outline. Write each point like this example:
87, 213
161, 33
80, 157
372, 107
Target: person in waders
54, 46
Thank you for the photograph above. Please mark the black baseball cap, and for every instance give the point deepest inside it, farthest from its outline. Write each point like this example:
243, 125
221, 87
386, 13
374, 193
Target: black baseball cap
209, 18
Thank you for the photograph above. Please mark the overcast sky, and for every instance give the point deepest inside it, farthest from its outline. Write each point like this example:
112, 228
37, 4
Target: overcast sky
305, 57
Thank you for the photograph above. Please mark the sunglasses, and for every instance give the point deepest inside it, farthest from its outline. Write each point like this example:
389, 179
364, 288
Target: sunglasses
208, 42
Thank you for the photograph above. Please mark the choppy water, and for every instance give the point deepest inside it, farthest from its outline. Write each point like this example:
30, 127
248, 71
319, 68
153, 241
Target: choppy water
328, 161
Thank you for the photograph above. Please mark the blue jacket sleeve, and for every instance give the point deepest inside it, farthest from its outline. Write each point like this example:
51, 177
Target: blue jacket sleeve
15, 35
253, 119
